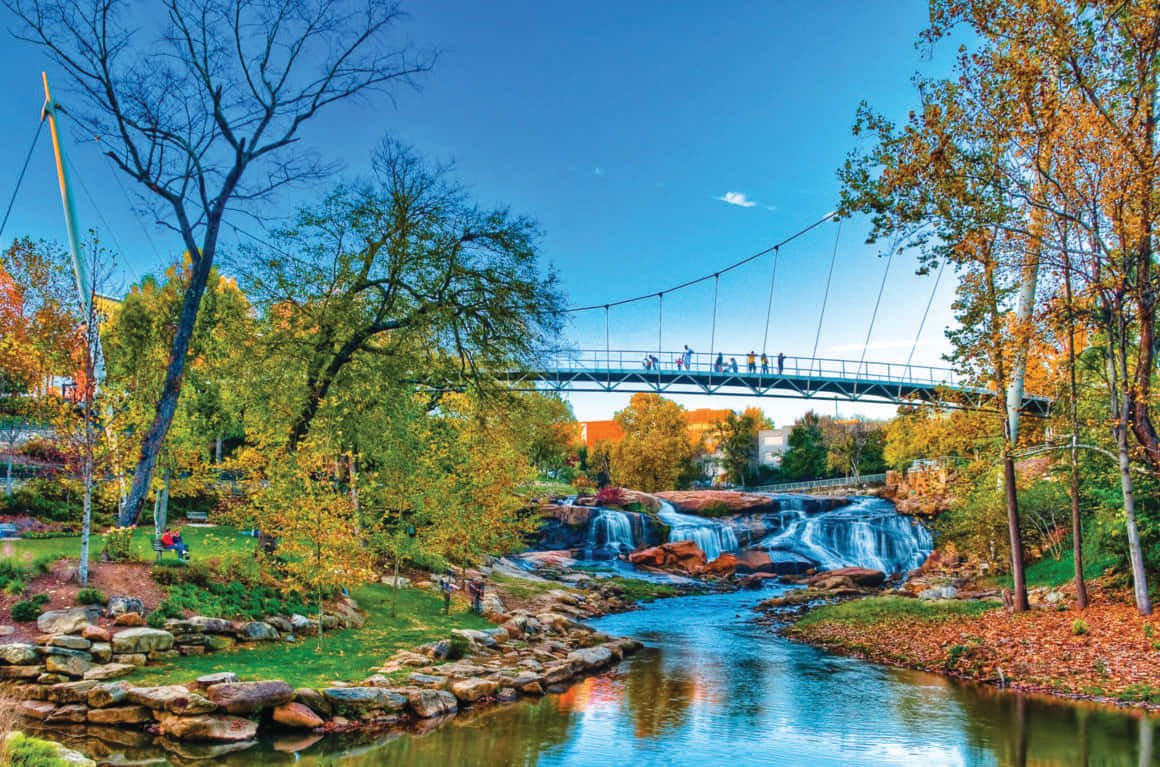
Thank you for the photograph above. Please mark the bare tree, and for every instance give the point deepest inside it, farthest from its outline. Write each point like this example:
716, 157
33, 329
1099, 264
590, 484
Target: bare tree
203, 107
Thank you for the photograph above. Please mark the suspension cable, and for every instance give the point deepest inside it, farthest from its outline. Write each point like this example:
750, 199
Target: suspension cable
926, 311
706, 277
20, 178
660, 325
769, 307
713, 333
607, 341
874, 316
826, 297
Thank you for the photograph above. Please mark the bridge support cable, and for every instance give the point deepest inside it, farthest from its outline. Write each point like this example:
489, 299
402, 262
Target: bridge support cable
874, 314
607, 347
660, 327
925, 312
826, 297
713, 332
20, 178
769, 307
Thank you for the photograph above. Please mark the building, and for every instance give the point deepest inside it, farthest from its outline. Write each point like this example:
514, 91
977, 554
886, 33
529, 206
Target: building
592, 432
771, 445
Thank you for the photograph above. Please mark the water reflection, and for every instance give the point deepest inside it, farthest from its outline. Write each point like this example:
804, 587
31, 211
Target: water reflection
713, 686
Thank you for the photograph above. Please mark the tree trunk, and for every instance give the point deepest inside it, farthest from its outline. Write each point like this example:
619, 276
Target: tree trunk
320, 619
1019, 598
1081, 597
217, 450
87, 523
1135, 552
395, 596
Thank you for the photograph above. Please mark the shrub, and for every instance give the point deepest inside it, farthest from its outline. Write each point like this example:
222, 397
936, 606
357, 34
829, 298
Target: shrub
169, 609
39, 599
715, 509
14, 587
23, 612
1079, 627
155, 620
43, 564
119, 543
91, 596
611, 496
23, 751
1148, 630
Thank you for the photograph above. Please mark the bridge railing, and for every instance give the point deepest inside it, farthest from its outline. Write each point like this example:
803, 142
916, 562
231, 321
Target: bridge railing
723, 363
819, 484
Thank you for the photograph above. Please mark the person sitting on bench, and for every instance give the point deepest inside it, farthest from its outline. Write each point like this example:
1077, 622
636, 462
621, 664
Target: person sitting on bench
172, 540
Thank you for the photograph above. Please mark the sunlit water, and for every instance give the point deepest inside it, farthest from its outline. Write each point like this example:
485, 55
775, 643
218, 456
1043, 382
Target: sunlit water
712, 686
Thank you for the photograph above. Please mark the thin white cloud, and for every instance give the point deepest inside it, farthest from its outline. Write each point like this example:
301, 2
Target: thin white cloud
878, 345
598, 171
736, 198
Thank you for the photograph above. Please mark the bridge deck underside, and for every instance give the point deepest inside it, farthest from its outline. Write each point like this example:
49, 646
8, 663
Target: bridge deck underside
753, 385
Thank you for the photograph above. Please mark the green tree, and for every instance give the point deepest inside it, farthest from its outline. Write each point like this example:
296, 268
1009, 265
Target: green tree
736, 439
806, 456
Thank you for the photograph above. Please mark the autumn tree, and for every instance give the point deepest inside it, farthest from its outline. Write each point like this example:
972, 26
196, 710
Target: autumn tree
655, 453
736, 439
806, 456
855, 447
202, 105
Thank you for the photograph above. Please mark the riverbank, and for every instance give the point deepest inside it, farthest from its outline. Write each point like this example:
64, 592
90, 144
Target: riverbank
1106, 653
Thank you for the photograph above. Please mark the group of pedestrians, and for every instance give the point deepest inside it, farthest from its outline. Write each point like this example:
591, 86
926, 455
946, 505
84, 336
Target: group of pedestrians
684, 361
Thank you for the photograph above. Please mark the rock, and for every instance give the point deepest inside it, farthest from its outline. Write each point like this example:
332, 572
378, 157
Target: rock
19, 654
72, 665
7, 631
141, 640
158, 698
50, 679
120, 715
858, 576
257, 631
474, 637
349, 613
106, 695
281, 624
162, 655
471, 690
102, 652
684, 555
754, 561
70, 621
129, 619
429, 703
212, 625
1053, 597
109, 671
216, 643
355, 700
120, 605
939, 592
296, 715
558, 672
303, 625
430, 681
187, 649
400, 583
507, 695
312, 699
214, 727
222, 677
36, 709
96, 634
132, 658
755, 580
435, 650
189, 705
491, 605
74, 713
246, 697
590, 658
70, 642
722, 565
828, 582
21, 672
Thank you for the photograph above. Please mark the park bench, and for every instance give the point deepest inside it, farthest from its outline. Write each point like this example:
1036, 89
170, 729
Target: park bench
159, 547
197, 516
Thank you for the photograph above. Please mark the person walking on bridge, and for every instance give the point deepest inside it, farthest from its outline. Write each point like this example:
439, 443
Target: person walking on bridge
780, 362
688, 358
719, 363
752, 367
764, 364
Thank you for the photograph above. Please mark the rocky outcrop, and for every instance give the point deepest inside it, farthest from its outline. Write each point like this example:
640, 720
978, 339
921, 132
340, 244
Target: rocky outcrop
70, 621
213, 727
855, 576
248, 697
296, 715
141, 641
679, 555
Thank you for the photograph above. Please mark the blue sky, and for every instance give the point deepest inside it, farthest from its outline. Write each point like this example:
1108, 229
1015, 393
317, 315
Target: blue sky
653, 141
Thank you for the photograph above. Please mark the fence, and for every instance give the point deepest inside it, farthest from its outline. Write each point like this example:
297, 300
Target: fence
819, 484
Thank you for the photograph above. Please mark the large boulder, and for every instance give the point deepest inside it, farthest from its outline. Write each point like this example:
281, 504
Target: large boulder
69, 642
651, 557
141, 640
19, 654
858, 576
297, 715
358, 700
119, 605
212, 727
246, 697
429, 703
105, 695
754, 561
257, 631
471, 690
211, 625
74, 664
160, 697
109, 671
682, 555
70, 692
120, 715
939, 592
70, 621
722, 565
590, 658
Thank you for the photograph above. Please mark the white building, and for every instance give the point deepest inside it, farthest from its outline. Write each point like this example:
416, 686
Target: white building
771, 444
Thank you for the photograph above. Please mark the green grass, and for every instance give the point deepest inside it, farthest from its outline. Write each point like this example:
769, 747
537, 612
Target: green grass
643, 591
521, 588
874, 610
1052, 572
204, 542
347, 655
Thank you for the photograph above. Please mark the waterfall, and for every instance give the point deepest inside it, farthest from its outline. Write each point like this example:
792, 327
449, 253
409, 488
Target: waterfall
713, 537
869, 533
609, 534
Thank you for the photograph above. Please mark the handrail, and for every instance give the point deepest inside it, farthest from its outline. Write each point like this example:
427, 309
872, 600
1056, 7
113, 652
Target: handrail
848, 481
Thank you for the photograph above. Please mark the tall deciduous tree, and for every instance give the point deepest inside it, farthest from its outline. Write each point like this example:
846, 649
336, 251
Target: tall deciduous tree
655, 452
203, 108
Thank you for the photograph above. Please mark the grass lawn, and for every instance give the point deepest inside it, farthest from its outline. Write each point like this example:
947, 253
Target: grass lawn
348, 655
203, 542
874, 610
1049, 571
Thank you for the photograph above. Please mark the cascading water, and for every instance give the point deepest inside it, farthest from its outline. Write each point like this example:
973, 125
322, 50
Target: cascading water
869, 533
714, 538
609, 533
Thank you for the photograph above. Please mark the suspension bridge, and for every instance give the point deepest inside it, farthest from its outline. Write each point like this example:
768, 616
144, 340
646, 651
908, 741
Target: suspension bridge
664, 370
